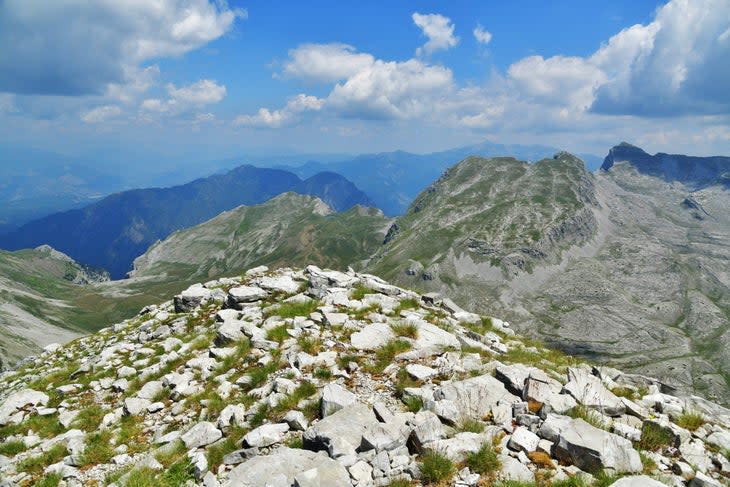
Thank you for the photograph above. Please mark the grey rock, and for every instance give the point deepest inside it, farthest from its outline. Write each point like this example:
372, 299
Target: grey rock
134, 405
474, 397
191, 298
202, 434
348, 425
287, 467
19, 400
244, 294
265, 435
426, 428
637, 481
240, 456
524, 440
590, 391
334, 398
421, 372
372, 337
296, 420
229, 332
702, 480
150, 390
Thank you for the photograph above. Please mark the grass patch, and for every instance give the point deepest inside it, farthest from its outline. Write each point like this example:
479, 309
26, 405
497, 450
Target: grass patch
690, 420
436, 468
413, 403
290, 310
217, 451
303, 391
575, 481
626, 392
50, 480
410, 303
655, 437
587, 415
43, 426
360, 290
89, 418
649, 465
470, 426
12, 448
35, 465
385, 355
409, 330
98, 449
400, 483
322, 373
278, 334
482, 326
296, 442
485, 461
130, 434
310, 345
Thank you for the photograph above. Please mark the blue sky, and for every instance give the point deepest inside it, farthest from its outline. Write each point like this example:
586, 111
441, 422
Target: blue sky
205, 79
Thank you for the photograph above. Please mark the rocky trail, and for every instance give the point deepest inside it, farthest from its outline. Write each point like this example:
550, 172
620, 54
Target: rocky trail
322, 378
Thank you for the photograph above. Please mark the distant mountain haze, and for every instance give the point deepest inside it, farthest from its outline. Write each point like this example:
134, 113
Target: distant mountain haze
112, 232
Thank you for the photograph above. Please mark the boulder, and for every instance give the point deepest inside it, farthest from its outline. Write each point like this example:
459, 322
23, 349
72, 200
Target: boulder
637, 481
334, 398
265, 435
473, 398
702, 480
244, 294
589, 448
524, 440
135, 405
345, 427
191, 298
589, 391
372, 337
421, 372
19, 400
286, 467
202, 434
432, 337
283, 284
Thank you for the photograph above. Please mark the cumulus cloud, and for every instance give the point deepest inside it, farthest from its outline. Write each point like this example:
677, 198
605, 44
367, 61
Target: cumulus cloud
438, 29
193, 96
326, 62
101, 114
285, 116
481, 35
67, 47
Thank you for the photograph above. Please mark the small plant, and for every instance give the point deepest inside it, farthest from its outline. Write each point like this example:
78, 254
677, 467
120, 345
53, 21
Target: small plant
292, 309
98, 449
385, 355
436, 467
690, 420
296, 442
12, 448
50, 480
588, 415
413, 403
310, 345
410, 303
409, 330
626, 392
485, 461
359, 291
482, 326
471, 426
575, 481
322, 373
655, 437
649, 465
400, 483
89, 418
35, 465
541, 459
278, 334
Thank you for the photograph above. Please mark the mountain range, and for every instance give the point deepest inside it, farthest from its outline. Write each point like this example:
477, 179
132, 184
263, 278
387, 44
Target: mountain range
112, 232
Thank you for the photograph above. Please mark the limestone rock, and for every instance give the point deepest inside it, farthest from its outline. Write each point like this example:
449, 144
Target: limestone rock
203, 433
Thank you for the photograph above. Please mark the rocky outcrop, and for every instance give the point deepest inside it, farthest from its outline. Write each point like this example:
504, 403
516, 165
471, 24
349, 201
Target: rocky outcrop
278, 379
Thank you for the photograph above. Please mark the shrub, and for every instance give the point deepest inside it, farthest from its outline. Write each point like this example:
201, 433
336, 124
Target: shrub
485, 461
541, 459
436, 467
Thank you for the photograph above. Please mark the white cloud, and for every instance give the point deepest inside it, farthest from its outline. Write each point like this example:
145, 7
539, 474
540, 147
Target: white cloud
186, 98
101, 114
285, 116
326, 62
481, 35
7, 103
438, 29
72, 47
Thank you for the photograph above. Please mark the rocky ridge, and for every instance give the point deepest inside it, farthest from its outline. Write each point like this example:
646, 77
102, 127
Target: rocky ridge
323, 378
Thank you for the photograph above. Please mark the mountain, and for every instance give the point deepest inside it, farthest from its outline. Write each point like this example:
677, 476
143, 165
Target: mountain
288, 230
628, 265
34, 284
114, 231
394, 179
34, 183
324, 378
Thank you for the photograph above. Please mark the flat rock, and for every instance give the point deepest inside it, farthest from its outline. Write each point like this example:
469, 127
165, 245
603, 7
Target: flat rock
245, 294
283, 284
286, 467
474, 397
266, 435
348, 425
135, 405
421, 372
19, 400
524, 440
432, 337
191, 298
637, 481
372, 337
203, 433
334, 398
589, 391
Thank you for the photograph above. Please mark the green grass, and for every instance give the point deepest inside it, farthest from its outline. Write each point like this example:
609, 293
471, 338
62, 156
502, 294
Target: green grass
649, 465
485, 461
385, 355
310, 345
50, 480
655, 437
89, 418
436, 468
405, 304
296, 442
278, 334
303, 391
588, 415
413, 403
130, 433
576, 481
483, 326
98, 449
626, 392
217, 451
471, 426
322, 373
12, 448
290, 310
35, 465
359, 291
409, 330
400, 483
690, 420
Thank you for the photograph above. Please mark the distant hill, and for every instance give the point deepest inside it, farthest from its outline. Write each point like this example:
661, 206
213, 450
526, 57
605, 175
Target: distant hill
114, 231
394, 179
627, 265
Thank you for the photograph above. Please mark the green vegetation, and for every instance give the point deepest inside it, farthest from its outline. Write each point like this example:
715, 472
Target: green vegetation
292, 309
627, 392
385, 355
413, 403
98, 449
655, 437
278, 334
690, 420
471, 426
35, 465
51, 480
405, 304
649, 465
89, 418
588, 415
409, 330
436, 467
12, 448
359, 291
309, 344
485, 461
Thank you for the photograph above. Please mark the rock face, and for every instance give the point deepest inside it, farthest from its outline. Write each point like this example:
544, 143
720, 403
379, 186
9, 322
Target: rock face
260, 383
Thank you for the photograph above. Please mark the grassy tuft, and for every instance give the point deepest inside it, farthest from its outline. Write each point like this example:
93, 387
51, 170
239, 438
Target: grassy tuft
50, 480
588, 415
278, 334
98, 449
409, 330
359, 291
436, 468
12, 448
690, 420
290, 310
89, 418
385, 355
654, 437
35, 465
485, 461
413, 403
471, 426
